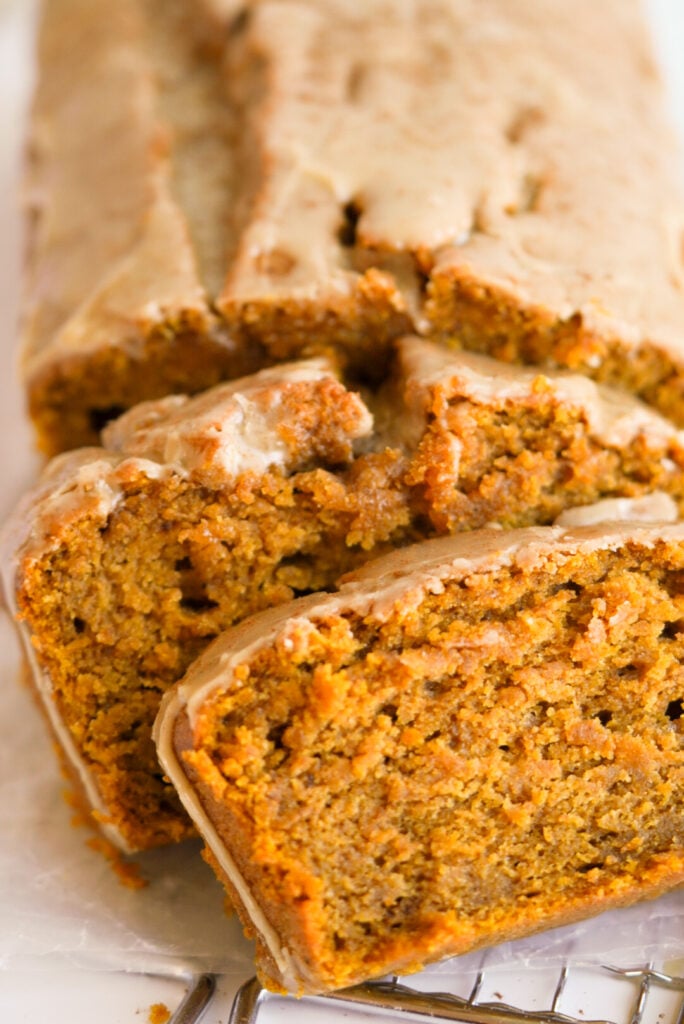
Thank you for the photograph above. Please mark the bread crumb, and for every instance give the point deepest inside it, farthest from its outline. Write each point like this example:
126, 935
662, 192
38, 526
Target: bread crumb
80, 817
158, 1013
128, 873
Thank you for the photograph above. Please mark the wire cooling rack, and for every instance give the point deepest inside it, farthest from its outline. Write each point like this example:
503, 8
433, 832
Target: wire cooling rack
652, 997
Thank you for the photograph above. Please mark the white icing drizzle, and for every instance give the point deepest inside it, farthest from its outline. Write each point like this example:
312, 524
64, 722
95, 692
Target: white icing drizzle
657, 507
233, 428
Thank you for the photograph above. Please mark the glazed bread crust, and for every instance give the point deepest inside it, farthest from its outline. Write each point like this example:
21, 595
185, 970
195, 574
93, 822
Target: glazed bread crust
301, 176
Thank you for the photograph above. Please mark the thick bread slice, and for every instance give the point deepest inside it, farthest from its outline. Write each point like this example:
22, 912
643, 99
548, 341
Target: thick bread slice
476, 738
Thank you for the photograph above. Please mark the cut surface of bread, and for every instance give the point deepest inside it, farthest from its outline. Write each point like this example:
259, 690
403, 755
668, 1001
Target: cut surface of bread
128, 559
476, 738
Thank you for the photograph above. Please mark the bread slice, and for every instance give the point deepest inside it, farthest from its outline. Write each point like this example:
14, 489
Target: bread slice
208, 196
476, 738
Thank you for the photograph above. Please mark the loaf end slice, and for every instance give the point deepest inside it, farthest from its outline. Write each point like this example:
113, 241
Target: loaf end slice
477, 738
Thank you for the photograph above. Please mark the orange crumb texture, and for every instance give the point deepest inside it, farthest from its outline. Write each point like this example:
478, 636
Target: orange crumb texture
81, 816
158, 1013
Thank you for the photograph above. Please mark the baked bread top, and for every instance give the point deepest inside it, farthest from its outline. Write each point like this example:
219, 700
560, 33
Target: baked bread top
319, 175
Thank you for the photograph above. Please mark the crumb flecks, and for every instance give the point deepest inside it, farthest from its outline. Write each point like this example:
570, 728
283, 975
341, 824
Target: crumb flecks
158, 1013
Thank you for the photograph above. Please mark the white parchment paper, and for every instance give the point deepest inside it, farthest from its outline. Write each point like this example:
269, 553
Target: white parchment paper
60, 901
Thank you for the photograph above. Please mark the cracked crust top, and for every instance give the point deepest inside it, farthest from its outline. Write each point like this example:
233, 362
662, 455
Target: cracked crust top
317, 175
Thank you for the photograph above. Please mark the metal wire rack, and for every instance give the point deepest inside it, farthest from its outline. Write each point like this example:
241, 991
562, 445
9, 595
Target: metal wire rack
404, 1002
